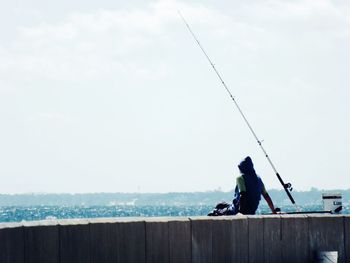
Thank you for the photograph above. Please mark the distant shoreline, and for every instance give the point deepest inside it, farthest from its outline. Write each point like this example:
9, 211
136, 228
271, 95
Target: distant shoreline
312, 197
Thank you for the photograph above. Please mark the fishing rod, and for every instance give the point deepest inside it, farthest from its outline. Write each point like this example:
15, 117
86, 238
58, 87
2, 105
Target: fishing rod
286, 186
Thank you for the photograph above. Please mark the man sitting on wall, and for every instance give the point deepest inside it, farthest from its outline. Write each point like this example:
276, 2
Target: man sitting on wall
248, 193
250, 188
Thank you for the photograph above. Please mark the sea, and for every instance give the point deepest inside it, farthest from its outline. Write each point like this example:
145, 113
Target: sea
34, 213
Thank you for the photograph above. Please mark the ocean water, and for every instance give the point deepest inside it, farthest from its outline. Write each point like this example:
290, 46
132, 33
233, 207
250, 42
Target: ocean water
31, 213
18, 213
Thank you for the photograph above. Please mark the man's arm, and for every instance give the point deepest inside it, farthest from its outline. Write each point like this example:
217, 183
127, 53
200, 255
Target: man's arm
269, 202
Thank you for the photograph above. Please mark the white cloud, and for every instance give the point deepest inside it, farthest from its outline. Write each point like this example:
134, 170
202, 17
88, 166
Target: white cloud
47, 32
55, 118
139, 90
103, 44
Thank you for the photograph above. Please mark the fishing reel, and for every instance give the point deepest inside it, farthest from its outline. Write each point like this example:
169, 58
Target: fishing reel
288, 186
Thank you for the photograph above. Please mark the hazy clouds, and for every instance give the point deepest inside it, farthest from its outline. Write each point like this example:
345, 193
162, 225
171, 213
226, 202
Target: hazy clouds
117, 96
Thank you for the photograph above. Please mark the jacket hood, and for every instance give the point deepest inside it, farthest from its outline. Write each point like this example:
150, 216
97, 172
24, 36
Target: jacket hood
246, 166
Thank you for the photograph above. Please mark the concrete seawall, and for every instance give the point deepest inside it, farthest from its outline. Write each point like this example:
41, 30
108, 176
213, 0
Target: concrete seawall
283, 238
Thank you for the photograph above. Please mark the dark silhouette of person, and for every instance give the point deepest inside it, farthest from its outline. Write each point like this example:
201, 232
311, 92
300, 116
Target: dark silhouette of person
250, 188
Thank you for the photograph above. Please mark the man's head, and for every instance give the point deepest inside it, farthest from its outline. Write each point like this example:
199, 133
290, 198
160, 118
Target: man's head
246, 166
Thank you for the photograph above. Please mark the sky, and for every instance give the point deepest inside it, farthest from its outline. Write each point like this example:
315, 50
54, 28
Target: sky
116, 96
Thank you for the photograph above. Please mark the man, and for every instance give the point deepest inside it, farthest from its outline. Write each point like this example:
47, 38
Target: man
250, 188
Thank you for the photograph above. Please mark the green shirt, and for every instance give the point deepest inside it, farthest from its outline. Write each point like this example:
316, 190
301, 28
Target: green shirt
241, 185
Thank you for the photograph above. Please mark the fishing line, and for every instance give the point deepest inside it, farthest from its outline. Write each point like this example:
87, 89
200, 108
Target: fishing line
286, 186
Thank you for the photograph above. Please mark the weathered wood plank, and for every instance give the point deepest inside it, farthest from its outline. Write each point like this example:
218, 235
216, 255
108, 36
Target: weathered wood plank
326, 233
74, 243
131, 242
180, 241
104, 242
12, 245
256, 239
201, 237
295, 239
41, 244
157, 241
272, 239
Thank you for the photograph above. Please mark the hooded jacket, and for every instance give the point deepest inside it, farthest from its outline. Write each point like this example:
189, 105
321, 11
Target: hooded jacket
253, 184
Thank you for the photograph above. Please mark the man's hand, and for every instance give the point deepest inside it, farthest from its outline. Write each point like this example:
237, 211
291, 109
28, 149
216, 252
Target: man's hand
270, 203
